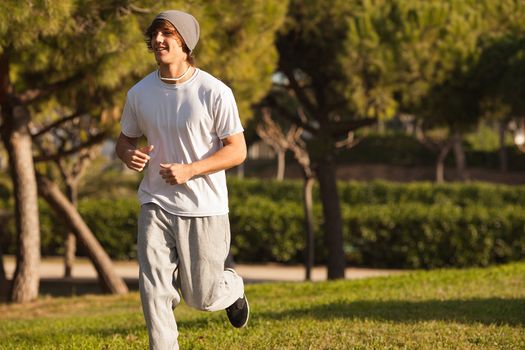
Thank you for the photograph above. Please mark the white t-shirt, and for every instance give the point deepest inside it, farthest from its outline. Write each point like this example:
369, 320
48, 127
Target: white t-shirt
185, 123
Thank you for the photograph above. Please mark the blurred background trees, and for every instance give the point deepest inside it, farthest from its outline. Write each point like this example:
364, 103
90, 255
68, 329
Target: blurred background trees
327, 72
68, 59
349, 64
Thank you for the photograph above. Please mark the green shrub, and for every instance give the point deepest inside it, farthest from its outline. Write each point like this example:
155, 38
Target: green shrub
52, 230
383, 192
114, 223
287, 190
422, 236
267, 230
419, 225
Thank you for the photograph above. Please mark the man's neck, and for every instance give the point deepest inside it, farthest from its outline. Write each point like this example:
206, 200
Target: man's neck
176, 73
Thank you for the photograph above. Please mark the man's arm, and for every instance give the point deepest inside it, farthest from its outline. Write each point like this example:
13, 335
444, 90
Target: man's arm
135, 159
231, 154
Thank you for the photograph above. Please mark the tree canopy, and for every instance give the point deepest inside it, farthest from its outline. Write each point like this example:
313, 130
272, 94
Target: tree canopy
65, 59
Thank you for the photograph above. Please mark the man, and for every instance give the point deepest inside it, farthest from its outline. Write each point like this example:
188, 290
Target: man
193, 132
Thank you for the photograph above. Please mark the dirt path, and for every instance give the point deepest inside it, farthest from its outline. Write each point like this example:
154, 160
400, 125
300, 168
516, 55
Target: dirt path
52, 268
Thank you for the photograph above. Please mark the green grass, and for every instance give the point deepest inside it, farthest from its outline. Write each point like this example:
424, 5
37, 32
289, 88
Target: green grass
443, 309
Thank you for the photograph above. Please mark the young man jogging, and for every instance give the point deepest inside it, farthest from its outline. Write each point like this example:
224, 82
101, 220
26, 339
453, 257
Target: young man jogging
193, 132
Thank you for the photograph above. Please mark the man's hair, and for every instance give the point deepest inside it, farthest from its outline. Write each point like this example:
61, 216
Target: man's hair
164, 25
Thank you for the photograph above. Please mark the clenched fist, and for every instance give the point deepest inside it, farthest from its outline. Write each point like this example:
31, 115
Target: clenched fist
175, 173
136, 159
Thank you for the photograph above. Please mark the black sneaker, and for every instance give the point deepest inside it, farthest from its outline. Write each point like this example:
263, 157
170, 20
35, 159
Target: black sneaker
239, 312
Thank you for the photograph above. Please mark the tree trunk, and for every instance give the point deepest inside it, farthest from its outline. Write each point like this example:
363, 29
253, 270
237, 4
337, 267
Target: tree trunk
70, 247
4, 287
333, 223
70, 243
109, 280
309, 223
440, 163
503, 157
4, 282
281, 164
17, 141
459, 155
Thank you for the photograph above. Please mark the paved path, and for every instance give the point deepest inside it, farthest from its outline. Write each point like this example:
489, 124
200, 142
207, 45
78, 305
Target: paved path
52, 268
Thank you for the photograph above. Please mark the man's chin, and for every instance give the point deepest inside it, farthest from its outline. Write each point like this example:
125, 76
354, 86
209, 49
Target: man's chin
161, 62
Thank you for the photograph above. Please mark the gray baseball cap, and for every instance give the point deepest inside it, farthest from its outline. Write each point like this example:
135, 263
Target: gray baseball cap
186, 25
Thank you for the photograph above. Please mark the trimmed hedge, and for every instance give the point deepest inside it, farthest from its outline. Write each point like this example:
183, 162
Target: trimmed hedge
114, 223
411, 235
267, 230
421, 236
384, 192
385, 225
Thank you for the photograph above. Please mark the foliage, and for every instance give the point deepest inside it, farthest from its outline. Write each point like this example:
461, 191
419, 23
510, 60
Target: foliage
385, 193
385, 224
84, 55
237, 46
262, 227
421, 236
78, 54
76, 58
102, 215
444, 309
486, 139
456, 194
403, 150
345, 64
397, 149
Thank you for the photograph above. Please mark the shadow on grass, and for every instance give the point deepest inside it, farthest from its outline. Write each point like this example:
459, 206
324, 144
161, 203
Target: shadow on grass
486, 311
66, 287
77, 286
491, 311
37, 339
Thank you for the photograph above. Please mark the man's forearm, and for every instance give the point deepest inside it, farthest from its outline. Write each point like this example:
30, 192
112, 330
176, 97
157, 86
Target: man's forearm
231, 154
123, 145
227, 157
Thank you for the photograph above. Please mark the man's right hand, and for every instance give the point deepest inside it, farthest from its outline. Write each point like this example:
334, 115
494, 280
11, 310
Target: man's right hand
136, 159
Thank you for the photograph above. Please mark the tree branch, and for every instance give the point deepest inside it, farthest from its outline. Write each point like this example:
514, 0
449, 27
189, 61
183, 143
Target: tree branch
339, 129
292, 117
349, 142
300, 93
96, 139
55, 124
32, 95
137, 9
427, 142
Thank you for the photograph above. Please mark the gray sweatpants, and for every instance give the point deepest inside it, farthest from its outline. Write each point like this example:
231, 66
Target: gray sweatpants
185, 253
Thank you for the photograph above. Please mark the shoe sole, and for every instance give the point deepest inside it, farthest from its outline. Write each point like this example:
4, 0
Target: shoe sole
248, 316
245, 298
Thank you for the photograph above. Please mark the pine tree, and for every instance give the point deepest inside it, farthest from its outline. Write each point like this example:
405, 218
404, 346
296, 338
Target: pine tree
338, 89
80, 57
23, 25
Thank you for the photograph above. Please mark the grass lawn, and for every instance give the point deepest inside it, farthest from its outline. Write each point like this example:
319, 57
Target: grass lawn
443, 309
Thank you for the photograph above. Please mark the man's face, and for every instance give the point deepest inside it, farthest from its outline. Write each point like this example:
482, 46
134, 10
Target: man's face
167, 46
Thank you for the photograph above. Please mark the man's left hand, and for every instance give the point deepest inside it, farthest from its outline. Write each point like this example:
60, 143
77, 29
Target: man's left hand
175, 173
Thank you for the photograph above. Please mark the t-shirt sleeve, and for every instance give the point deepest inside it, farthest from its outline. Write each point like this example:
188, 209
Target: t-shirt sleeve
227, 120
128, 123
